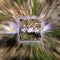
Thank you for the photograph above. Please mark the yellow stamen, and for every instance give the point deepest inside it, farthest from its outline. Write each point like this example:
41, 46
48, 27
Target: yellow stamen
11, 30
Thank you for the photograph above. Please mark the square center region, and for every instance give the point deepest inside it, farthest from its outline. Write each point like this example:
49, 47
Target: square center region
29, 30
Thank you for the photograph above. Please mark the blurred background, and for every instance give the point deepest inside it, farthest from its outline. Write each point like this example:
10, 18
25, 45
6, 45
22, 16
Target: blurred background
48, 12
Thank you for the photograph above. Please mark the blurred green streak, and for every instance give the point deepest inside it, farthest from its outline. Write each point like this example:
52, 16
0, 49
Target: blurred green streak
36, 5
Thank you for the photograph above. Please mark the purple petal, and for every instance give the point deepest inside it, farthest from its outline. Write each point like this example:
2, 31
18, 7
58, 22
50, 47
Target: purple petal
43, 23
13, 25
47, 28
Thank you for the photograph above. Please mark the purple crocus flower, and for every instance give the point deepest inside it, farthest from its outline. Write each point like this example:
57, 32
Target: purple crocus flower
11, 27
45, 28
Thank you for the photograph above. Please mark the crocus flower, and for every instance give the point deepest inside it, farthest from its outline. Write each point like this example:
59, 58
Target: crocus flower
45, 28
11, 27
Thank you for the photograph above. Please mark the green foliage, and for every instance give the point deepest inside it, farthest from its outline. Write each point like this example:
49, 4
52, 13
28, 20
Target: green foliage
36, 5
56, 33
26, 22
38, 25
2, 16
20, 1
25, 36
37, 52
